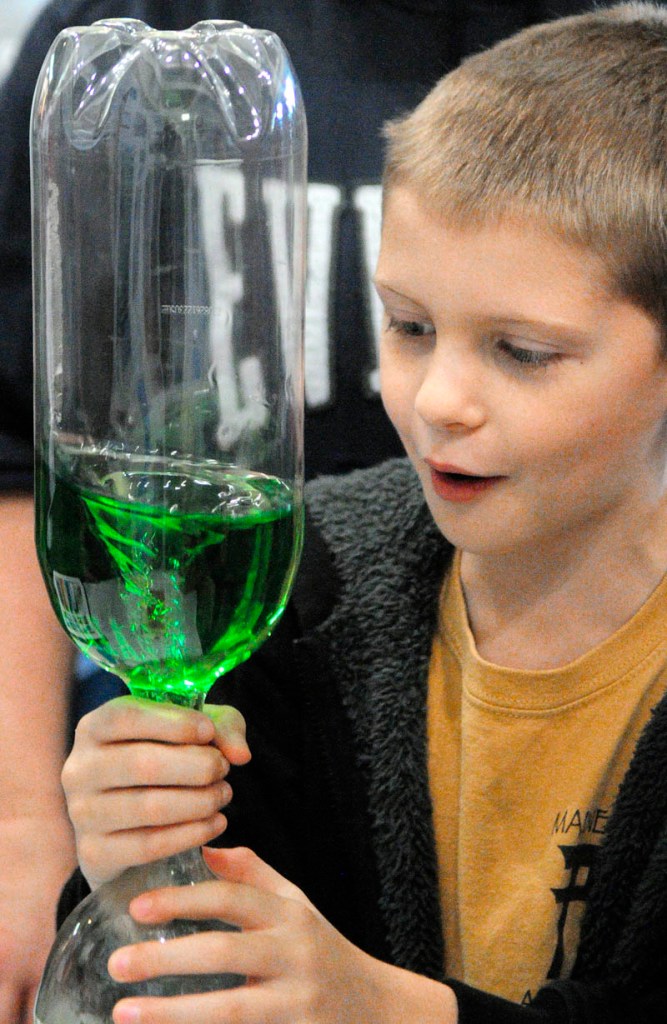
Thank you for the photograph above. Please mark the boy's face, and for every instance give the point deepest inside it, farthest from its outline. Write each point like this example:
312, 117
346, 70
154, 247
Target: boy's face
531, 402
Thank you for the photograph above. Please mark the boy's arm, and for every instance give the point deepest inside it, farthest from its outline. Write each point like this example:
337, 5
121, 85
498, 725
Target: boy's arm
304, 969
36, 844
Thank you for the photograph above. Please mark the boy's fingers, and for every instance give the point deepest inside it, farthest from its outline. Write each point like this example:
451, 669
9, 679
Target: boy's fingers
106, 856
158, 764
230, 732
252, 894
250, 1004
213, 952
134, 718
239, 905
155, 807
242, 865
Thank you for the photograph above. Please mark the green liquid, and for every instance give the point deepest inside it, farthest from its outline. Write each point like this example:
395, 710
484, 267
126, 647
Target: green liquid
166, 576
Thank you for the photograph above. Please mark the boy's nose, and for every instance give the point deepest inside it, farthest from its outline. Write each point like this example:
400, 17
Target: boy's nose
450, 395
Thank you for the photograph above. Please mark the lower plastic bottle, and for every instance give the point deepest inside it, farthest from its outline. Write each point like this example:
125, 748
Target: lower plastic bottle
76, 987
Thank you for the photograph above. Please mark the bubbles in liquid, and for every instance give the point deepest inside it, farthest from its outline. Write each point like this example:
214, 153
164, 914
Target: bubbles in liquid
215, 493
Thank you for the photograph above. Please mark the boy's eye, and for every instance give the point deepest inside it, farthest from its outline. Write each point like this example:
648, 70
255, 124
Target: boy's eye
528, 357
410, 328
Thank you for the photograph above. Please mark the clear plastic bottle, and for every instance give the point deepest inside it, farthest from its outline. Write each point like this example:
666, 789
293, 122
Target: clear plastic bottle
169, 210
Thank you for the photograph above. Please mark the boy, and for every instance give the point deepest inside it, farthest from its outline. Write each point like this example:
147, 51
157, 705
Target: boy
455, 755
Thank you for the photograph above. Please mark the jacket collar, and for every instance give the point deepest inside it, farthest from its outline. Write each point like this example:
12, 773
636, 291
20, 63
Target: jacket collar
389, 559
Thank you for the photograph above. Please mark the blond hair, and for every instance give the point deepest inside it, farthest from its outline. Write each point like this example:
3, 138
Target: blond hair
565, 124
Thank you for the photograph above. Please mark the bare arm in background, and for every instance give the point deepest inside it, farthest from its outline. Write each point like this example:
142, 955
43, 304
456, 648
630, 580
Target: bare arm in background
36, 842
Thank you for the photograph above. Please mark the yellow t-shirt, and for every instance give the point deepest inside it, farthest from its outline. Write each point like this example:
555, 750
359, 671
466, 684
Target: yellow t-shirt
524, 768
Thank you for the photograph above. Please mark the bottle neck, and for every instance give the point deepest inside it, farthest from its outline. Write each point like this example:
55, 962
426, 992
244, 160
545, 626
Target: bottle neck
187, 699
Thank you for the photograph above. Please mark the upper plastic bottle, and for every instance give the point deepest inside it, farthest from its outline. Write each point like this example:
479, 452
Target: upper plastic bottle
226, 90
168, 174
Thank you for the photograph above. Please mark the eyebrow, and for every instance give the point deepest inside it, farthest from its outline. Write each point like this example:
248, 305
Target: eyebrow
381, 286
559, 328
393, 294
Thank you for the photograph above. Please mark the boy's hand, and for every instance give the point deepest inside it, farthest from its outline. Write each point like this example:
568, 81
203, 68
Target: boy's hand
299, 968
147, 780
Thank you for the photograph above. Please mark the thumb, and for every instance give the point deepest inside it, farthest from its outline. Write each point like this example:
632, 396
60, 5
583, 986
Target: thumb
230, 732
240, 865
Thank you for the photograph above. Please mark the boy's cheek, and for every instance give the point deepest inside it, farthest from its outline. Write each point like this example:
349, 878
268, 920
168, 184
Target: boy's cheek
395, 398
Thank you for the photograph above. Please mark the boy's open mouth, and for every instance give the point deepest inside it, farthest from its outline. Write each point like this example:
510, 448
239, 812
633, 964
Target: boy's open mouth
465, 477
457, 485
